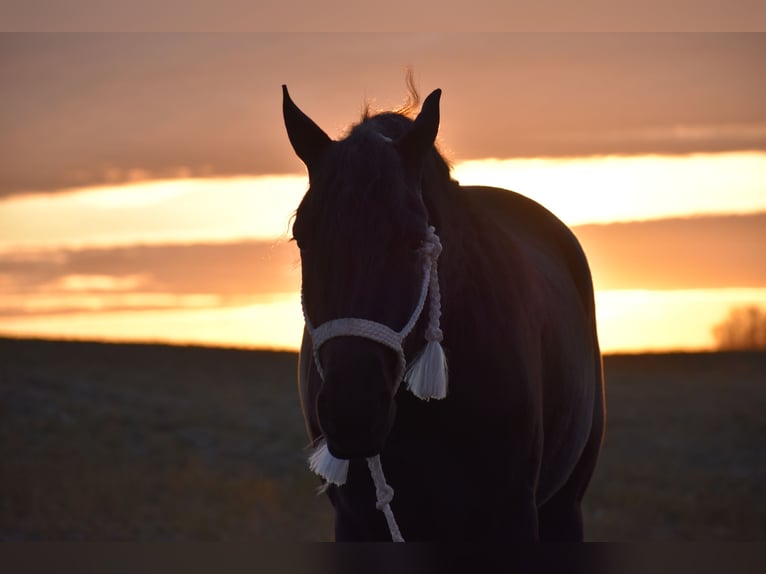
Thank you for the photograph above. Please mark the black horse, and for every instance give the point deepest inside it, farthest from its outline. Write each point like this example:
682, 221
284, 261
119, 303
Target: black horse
509, 453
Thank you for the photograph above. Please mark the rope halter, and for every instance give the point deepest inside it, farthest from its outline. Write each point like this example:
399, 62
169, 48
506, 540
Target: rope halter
426, 376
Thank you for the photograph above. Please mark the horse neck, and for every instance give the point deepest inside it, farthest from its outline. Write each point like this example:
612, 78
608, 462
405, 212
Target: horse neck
474, 256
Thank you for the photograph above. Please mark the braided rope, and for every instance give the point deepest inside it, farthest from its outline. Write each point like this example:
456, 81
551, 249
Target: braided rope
430, 250
433, 331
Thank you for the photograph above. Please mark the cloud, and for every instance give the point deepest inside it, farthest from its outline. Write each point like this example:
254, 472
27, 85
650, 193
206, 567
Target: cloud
670, 139
97, 283
98, 303
710, 252
160, 212
686, 253
151, 277
83, 110
668, 280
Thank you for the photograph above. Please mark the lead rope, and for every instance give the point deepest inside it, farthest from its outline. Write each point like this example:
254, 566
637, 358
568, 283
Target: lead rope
426, 376
383, 495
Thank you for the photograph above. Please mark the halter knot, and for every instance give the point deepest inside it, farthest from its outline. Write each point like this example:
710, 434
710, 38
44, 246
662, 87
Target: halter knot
434, 334
432, 245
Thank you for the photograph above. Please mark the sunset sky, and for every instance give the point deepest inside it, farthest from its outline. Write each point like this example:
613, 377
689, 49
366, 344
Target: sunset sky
147, 183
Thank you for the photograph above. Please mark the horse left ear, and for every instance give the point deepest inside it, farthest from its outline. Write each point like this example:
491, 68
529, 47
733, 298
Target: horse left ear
420, 138
307, 138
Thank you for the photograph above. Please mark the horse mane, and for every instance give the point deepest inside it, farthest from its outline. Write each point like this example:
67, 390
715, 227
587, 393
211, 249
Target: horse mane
408, 108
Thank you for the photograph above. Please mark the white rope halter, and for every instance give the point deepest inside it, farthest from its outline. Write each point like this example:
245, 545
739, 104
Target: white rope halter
426, 376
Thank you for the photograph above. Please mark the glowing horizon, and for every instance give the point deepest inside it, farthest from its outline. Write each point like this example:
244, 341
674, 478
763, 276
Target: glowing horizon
184, 211
629, 321
608, 189
232, 326
175, 211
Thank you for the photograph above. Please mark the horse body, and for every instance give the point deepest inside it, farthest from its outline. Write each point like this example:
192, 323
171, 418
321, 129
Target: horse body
510, 451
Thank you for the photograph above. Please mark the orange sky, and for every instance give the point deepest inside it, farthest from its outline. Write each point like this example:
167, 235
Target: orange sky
337, 15
82, 109
168, 180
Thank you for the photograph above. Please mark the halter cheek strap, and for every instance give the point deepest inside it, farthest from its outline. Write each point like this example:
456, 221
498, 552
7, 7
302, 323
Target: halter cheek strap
426, 376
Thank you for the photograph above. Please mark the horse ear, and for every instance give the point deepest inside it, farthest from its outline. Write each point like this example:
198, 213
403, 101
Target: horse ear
414, 144
307, 138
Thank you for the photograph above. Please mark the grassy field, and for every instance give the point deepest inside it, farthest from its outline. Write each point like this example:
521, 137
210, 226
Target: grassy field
143, 442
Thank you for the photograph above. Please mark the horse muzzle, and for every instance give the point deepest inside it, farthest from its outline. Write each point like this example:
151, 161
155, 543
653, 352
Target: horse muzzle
355, 405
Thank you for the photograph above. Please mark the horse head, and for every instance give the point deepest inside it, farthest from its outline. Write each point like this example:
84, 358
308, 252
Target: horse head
364, 238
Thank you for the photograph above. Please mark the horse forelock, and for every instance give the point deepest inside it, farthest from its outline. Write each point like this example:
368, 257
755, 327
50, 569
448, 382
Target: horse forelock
358, 210
362, 187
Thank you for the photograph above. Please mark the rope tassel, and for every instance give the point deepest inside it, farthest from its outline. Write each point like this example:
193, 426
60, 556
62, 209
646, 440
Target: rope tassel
427, 376
333, 470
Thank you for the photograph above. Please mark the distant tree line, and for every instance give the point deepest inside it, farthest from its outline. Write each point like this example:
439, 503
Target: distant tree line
744, 329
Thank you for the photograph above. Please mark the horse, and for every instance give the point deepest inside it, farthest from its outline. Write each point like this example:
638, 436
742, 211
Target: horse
509, 452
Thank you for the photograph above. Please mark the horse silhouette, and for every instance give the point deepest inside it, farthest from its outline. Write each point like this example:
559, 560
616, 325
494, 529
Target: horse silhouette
509, 452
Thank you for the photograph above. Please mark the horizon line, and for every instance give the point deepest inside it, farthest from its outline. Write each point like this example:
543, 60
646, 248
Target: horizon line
148, 342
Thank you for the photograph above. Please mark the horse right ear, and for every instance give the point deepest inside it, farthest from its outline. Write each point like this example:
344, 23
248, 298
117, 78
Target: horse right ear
307, 138
419, 139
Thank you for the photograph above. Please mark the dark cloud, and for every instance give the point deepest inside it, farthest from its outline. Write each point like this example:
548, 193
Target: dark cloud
83, 109
239, 272
692, 253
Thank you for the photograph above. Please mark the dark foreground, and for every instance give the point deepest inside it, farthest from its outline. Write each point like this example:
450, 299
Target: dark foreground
145, 442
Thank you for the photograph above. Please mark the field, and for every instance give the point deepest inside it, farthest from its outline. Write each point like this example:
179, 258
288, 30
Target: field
151, 443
